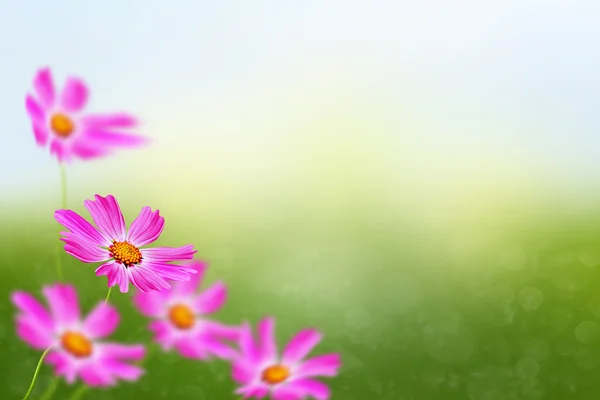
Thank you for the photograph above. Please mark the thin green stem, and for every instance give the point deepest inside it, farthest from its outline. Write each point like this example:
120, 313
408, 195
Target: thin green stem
50, 391
35, 374
108, 295
78, 394
63, 205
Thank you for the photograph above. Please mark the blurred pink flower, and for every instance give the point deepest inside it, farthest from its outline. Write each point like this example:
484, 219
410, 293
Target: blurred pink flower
262, 372
147, 269
58, 120
76, 348
180, 321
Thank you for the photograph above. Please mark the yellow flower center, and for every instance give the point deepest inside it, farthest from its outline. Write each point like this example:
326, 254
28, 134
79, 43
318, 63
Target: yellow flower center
125, 253
181, 316
62, 125
76, 344
275, 374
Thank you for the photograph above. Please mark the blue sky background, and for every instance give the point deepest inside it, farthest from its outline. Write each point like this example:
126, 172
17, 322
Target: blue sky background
232, 90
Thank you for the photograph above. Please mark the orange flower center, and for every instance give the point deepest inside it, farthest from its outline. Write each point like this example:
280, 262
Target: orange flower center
76, 344
275, 374
182, 316
125, 253
62, 125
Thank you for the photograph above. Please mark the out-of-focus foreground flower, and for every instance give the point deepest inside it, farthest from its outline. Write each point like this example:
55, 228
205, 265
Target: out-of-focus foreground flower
180, 321
57, 120
147, 269
260, 371
75, 348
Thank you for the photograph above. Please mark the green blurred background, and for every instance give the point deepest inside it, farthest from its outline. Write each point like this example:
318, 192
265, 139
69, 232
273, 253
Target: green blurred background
417, 180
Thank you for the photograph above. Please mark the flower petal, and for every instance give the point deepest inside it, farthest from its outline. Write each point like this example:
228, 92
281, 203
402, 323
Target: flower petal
83, 250
152, 304
32, 334
88, 151
108, 217
308, 387
44, 87
63, 303
146, 228
123, 371
324, 365
41, 134
74, 95
93, 375
247, 345
163, 334
35, 110
114, 139
189, 348
108, 121
242, 373
301, 345
168, 254
63, 365
212, 299
268, 346
221, 331
135, 352
187, 288
117, 275
76, 224
58, 148
145, 279
33, 310
101, 322
256, 390
286, 393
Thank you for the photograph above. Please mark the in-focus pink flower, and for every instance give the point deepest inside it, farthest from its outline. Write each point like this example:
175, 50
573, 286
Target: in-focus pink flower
180, 321
76, 346
147, 269
261, 372
57, 120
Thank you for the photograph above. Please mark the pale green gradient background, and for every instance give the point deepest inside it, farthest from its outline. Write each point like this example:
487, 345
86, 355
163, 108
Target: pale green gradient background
416, 179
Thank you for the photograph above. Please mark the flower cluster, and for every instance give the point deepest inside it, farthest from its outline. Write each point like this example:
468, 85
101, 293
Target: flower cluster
166, 280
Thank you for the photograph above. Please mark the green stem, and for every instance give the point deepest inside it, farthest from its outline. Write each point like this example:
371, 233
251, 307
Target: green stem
35, 374
79, 392
108, 295
50, 391
63, 205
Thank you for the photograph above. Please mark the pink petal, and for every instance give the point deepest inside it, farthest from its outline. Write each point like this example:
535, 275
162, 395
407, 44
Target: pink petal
41, 134
152, 304
35, 111
221, 331
301, 345
247, 346
108, 121
168, 254
189, 287
33, 310
32, 334
74, 95
285, 393
167, 271
268, 346
189, 348
58, 148
63, 365
81, 228
88, 151
146, 279
308, 387
101, 322
118, 351
242, 373
126, 372
216, 348
84, 250
95, 375
212, 299
114, 139
63, 303
163, 334
258, 391
44, 87
108, 217
146, 228
117, 275
325, 365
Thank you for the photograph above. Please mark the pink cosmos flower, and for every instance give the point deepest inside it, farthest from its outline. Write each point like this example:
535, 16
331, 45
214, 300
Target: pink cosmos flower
147, 269
180, 321
262, 372
76, 348
58, 120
